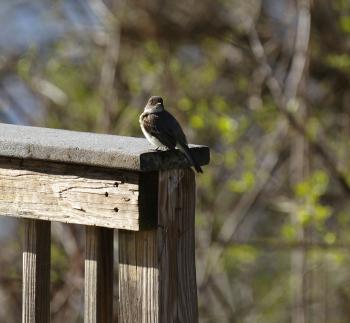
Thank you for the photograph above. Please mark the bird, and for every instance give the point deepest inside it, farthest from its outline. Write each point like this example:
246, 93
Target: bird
163, 131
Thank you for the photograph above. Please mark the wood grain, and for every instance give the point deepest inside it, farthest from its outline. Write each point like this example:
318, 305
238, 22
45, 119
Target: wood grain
138, 277
36, 272
98, 305
157, 276
69, 193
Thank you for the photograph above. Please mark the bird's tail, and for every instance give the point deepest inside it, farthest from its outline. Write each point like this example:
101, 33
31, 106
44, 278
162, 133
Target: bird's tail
189, 155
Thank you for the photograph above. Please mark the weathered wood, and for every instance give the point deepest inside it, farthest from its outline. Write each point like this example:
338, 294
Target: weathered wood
105, 182
84, 148
98, 275
74, 194
36, 272
157, 277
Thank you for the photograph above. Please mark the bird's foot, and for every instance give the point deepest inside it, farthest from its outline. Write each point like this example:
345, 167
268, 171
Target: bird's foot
161, 149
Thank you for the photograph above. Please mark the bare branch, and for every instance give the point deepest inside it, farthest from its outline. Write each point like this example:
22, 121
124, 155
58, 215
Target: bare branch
300, 51
318, 146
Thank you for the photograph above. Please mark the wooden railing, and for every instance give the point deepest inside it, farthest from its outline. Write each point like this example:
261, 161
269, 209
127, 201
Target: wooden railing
105, 182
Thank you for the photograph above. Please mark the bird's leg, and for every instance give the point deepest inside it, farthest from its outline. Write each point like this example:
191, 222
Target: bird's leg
163, 148
159, 148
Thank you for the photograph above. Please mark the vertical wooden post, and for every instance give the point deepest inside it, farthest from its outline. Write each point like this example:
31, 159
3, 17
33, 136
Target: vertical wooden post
36, 272
98, 275
157, 275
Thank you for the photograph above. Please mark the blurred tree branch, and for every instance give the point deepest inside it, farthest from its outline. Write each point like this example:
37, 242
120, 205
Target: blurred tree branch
278, 244
107, 89
281, 101
230, 226
222, 299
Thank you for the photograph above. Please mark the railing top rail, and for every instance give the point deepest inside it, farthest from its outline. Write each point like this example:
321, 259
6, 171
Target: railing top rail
56, 145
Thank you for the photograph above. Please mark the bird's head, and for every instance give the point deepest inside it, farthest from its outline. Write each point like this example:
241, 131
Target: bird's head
154, 104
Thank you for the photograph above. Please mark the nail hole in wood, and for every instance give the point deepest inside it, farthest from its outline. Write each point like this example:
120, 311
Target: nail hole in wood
116, 209
106, 194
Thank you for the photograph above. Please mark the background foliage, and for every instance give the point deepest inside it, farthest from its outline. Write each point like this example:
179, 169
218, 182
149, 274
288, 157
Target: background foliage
264, 83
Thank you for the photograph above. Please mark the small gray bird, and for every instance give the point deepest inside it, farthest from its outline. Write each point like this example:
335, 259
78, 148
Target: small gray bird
162, 130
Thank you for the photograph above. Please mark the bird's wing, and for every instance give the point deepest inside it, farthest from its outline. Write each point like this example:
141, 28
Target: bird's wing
181, 141
174, 128
156, 126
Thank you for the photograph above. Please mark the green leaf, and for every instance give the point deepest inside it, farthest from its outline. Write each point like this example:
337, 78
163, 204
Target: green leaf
330, 237
197, 121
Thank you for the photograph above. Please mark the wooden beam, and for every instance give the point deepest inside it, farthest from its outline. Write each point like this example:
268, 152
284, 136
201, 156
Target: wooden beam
36, 272
157, 276
71, 194
84, 148
98, 275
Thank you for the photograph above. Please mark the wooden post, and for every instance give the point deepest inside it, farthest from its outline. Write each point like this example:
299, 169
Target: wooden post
157, 276
36, 272
98, 275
